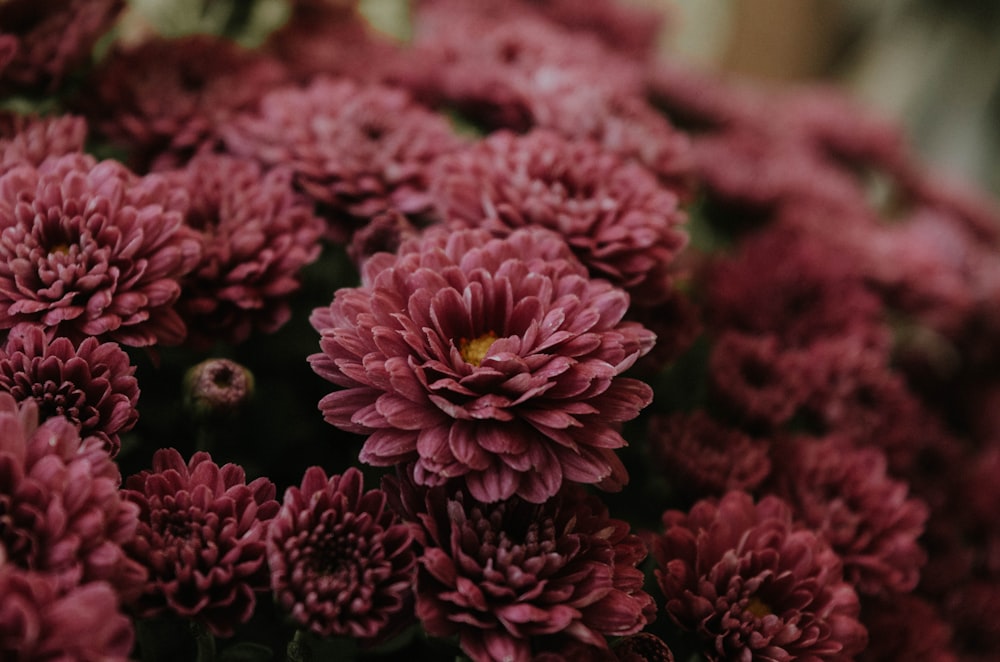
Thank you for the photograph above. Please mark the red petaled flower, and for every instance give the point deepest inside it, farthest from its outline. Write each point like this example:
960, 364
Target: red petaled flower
257, 234
614, 215
359, 149
201, 535
93, 385
31, 140
341, 562
515, 580
61, 512
497, 360
90, 249
38, 621
754, 587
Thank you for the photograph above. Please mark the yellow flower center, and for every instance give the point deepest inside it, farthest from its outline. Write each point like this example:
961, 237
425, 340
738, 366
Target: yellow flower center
758, 607
59, 249
473, 351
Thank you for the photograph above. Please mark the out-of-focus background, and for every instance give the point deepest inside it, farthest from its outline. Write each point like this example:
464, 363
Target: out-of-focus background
932, 65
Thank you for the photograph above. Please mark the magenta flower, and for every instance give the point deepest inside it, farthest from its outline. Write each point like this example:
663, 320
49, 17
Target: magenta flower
201, 537
844, 495
359, 149
61, 513
90, 249
40, 622
257, 234
93, 384
496, 360
613, 214
515, 580
342, 564
754, 587
31, 140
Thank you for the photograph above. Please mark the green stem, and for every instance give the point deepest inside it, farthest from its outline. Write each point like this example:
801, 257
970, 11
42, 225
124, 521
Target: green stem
298, 650
205, 643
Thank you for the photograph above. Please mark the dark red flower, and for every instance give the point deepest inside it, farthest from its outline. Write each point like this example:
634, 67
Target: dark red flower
514, 580
61, 512
613, 214
496, 360
906, 627
359, 149
844, 495
93, 384
342, 564
31, 140
201, 535
754, 587
90, 249
38, 621
257, 234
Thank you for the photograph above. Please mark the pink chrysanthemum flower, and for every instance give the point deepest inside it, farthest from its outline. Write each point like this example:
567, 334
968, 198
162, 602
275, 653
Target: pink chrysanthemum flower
93, 384
38, 621
52, 38
613, 214
201, 536
31, 140
163, 98
906, 627
342, 564
90, 249
61, 512
358, 149
257, 234
754, 587
844, 495
515, 580
497, 360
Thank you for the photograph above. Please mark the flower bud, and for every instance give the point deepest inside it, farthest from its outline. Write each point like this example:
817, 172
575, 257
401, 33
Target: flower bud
217, 386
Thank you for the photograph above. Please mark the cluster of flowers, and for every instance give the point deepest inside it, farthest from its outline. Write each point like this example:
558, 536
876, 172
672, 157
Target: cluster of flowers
648, 363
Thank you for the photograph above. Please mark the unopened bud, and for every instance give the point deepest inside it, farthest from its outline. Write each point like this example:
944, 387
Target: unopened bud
217, 387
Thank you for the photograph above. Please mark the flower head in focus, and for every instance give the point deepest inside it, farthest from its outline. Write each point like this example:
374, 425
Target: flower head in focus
93, 384
91, 249
341, 562
201, 537
753, 586
497, 360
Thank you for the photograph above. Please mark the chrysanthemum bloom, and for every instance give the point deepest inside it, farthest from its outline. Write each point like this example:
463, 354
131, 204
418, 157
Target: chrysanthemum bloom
845, 496
754, 587
90, 249
703, 457
38, 621
513, 579
257, 234
906, 627
61, 513
53, 38
613, 214
31, 140
359, 149
342, 563
163, 98
643, 647
497, 360
93, 384
201, 535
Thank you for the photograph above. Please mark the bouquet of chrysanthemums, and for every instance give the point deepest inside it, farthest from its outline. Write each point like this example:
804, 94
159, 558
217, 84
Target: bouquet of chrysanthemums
503, 338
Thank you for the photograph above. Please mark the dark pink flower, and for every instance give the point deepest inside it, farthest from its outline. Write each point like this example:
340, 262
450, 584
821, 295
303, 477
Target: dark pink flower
844, 495
514, 580
93, 384
31, 140
623, 27
614, 215
643, 647
342, 564
702, 457
201, 536
358, 149
754, 587
257, 234
61, 512
90, 249
906, 627
52, 38
496, 360
38, 621
163, 98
